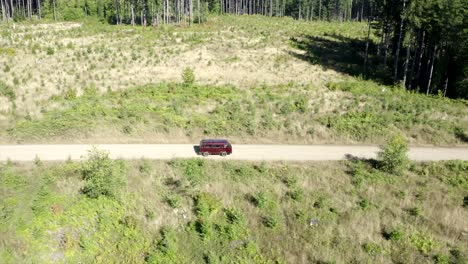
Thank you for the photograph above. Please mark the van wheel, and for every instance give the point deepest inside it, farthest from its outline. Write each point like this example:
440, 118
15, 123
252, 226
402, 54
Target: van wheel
205, 154
223, 154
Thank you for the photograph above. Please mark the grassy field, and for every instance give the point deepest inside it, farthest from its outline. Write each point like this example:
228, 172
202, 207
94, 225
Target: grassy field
253, 84
280, 81
345, 112
201, 211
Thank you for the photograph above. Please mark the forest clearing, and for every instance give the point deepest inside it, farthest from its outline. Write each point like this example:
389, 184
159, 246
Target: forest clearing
268, 75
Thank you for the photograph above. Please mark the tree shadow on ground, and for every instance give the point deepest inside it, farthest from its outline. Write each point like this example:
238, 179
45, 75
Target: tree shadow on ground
461, 135
373, 163
341, 54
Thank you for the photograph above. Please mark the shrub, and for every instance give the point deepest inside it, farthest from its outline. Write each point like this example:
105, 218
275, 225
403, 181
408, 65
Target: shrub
290, 181
7, 91
364, 204
422, 242
415, 211
127, 129
192, 169
394, 235
234, 216
372, 248
271, 220
260, 200
393, 156
188, 77
297, 194
145, 167
174, 201
70, 94
50, 51
441, 259
206, 205
321, 202
103, 176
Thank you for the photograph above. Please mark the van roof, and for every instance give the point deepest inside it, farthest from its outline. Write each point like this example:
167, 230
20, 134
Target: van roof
214, 141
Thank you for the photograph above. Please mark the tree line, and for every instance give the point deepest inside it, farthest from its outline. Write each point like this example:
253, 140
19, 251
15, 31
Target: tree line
422, 43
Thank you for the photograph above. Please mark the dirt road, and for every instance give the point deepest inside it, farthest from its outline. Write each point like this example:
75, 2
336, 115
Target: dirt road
240, 152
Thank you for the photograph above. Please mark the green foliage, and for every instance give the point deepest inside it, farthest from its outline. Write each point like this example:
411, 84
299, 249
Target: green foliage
441, 259
297, 194
40, 209
453, 173
393, 157
7, 91
188, 77
364, 204
70, 94
174, 201
193, 169
103, 176
262, 200
145, 166
50, 51
166, 249
422, 242
372, 248
271, 221
415, 211
394, 235
290, 180
206, 205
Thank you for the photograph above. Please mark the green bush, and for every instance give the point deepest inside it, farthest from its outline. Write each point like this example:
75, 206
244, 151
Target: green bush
192, 169
206, 205
372, 248
364, 204
103, 176
415, 211
422, 242
7, 91
260, 200
297, 194
188, 77
271, 221
174, 201
395, 235
393, 157
50, 51
145, 166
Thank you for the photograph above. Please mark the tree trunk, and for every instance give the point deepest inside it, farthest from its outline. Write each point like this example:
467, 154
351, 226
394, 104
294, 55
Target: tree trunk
300, 16
387, 40
320, 9
133, 15
4, 17
397, 54
55, 10
362, 10
199, 12
191, 12
432, 70
39, 11
367, 47
415, 58
421, 52
446, 85
271, 7
408, 53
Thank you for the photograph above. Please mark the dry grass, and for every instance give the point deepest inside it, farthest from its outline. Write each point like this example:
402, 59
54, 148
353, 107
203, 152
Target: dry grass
48, 59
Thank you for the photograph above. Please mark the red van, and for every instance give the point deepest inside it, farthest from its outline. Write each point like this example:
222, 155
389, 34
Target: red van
215, 147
